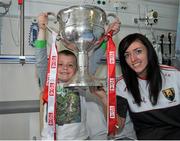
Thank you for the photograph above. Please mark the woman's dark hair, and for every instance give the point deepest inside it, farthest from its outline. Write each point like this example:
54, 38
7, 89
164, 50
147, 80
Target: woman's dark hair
154, 79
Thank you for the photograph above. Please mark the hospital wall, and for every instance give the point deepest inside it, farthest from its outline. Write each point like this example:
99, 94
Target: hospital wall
19, 91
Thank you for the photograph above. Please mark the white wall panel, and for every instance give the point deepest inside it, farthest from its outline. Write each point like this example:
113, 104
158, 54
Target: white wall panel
19, 126
18, 82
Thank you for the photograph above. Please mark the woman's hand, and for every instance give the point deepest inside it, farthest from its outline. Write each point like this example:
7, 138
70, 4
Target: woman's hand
115, 26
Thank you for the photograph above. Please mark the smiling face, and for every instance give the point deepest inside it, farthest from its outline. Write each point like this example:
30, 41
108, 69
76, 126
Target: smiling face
67, 67
136, 58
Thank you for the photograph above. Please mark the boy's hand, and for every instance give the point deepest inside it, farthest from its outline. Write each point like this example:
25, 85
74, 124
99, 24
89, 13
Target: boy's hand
42, 20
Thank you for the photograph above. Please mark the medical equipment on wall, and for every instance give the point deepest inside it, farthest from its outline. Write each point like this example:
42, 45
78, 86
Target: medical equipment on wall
151, 18
4, 6
158, 51
33, 33
162, 48
167, 48
170, 48
22, 56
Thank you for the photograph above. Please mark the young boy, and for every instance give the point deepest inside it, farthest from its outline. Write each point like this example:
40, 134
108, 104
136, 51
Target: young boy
70, 102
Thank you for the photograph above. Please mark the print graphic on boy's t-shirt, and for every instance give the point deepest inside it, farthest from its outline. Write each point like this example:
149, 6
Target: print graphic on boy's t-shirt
68, 106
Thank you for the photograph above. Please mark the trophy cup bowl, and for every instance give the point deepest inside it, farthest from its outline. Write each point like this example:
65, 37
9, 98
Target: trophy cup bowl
81, 29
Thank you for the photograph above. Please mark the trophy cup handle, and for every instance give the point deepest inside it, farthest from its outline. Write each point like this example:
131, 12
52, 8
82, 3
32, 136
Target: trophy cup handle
105, 37
50, 29
66, 43
114, 17
52, 14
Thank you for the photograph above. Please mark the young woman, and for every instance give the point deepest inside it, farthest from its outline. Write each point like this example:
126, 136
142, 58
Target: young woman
149, 91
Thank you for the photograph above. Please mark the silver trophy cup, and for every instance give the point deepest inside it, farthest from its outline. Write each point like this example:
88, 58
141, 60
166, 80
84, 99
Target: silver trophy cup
82, 29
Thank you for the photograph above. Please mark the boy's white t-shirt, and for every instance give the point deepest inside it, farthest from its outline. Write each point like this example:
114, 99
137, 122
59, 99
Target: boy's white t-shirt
70, 115
74, 130
96, 122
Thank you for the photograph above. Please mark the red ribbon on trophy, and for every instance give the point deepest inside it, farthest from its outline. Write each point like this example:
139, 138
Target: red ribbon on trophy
49, 95
111, 63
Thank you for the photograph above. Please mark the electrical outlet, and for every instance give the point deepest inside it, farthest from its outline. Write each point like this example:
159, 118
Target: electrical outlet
135, 20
